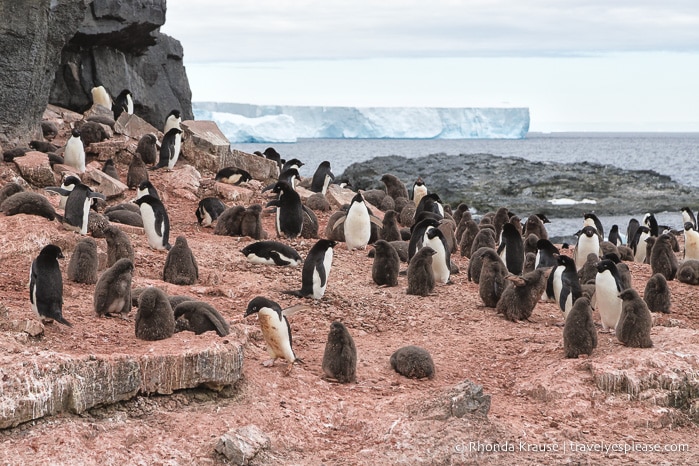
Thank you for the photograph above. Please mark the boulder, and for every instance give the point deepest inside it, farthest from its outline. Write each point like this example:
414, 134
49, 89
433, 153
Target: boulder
184, 182
229, 192
135, 127
120, 149
31, 39
205, 146
260, 168
43, 383
241, 445
35, 168
464, 399
118, 46
103, 183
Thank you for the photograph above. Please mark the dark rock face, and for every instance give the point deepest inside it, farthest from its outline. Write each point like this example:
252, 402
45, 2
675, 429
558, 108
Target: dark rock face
118, 46
32, 34
488, 182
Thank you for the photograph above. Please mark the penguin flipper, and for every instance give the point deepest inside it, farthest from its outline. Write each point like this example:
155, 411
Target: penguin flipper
58, 190
290, 311
375, 220
341, 220
273, 203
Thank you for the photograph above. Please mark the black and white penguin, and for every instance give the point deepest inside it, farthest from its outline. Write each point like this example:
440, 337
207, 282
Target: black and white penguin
271, 253
441, 261
208, 210
545, 254
588, 242
275, 330
46, 285
322, 178
64, 190
688, 216
417, 235
511, 249
289, 215
590, 219
77, 209
170, 149
123, 104
233, 175
293, 163
430, 203
172, 120
614, 236
607, 288
419, 190
357, 224
631, 231
74, 152
156, 222
651, 222
638, 243
271, 154
570, 285
146, 188
691, 242
316, 269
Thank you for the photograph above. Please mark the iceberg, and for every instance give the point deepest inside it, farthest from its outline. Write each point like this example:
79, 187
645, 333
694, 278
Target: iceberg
279, 123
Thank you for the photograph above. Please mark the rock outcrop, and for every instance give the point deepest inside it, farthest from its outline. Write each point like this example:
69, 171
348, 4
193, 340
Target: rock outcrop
46, 383
119, 46
32, 35
488, 182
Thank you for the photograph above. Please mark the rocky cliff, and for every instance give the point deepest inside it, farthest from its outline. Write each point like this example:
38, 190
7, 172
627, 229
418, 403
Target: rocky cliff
56, 51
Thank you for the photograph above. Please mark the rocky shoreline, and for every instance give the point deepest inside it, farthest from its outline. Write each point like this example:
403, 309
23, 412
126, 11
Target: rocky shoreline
486, 182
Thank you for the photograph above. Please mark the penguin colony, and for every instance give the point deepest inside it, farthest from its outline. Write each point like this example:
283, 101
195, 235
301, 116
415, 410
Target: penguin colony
496, 245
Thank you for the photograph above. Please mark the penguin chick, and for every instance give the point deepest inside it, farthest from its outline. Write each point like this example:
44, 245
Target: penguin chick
394, 187
27, 202
662, 258
413, 362
275, 330
154, 318
180, 265
110, 169
520, 296
657, 294
340, 356
579, 332
46, 285
137, 172
635, 322
147, 147
491, 283
199, 317
82, 267
689, 272
113, 290
420, 275
386, 264
118, 245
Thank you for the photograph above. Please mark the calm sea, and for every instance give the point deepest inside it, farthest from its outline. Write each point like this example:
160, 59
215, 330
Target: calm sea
672, 154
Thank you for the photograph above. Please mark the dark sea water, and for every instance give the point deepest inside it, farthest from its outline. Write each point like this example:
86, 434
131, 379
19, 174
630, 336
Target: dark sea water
672, 154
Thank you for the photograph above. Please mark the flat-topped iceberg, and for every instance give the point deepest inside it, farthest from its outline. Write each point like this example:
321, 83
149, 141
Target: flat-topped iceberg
279, 123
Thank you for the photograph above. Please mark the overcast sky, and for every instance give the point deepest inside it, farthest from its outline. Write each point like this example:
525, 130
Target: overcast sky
578, 65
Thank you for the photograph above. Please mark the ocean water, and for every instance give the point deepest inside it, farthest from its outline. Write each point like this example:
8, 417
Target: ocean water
671, 154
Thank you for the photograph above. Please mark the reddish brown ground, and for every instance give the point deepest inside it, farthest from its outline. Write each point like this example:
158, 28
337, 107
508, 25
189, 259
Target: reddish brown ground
378, 420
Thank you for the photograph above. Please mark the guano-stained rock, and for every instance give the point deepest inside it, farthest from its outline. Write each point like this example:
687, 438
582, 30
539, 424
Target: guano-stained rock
47, 383
205, 146
35, 168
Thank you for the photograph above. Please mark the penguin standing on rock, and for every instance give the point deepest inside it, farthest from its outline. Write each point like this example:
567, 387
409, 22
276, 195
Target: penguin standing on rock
156, 222
74, 152
316, 269
322, 178
275, 330
170, 149
46, 285
651, 222
77, 209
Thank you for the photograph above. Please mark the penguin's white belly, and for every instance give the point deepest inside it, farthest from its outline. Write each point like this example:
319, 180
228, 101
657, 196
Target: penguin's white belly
568, 306
418, 193
255, 259
276, 335
74, 154
206, 220
557, 283
86, 215
357, 227
154, 239
439, 262
277, 221
129, 104
176, 155
585, 246
326, 183
691, 245
608, 301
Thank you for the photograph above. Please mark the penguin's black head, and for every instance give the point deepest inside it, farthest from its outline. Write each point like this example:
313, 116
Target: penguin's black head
419, 181
565, 261
612, 256
605, 264
543, 218
124, 93
589, 231
324, 164
293, 162
357, 198
75, 133
272, 154
52, 251
326, 243
688, 226
71, 181
257, 304
175, 113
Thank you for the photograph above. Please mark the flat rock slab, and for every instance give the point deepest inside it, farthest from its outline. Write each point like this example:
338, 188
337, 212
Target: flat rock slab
35, 168
135, 127
205, 146
43, 383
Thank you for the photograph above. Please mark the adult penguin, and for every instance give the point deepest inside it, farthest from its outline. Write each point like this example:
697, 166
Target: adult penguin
588, 242
614, 236
170, 149
441, 261
570, 285
74, 152
77, 209
156, 222
607, 288
688, 216
691, 242
417, 235
316, 269
289, 216
590, 219
46, 285
511, 249
419, 190
651, 222
638, 243
322, 177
